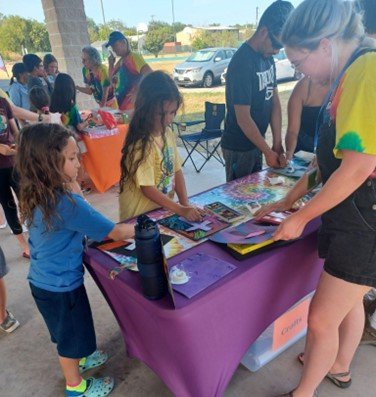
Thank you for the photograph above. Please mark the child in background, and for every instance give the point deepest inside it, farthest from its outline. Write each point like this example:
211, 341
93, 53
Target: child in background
18, 91
51, 67
150, 165
7, 321
8, 178
58, 220
63, 100
41, 101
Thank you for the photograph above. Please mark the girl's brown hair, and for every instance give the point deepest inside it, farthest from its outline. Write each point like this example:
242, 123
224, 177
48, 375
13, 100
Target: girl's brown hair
40, 163
155, 90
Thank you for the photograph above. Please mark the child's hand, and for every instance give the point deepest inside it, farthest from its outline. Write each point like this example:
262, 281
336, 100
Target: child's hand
192, 214
122, 231
6, 150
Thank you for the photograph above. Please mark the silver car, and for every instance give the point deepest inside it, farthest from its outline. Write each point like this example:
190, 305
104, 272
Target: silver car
203, 67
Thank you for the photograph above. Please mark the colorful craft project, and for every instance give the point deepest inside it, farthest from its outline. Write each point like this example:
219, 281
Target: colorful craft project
192, 230
245, 233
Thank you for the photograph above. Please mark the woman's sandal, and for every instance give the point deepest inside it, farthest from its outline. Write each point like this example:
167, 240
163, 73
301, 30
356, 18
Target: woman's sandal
100, 387
95, 359
291, 394
333, 377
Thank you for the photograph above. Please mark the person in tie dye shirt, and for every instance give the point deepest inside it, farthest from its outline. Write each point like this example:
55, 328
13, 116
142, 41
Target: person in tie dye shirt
96, 79
127, 73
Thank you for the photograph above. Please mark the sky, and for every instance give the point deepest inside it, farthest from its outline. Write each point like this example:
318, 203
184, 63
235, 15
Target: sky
195, 12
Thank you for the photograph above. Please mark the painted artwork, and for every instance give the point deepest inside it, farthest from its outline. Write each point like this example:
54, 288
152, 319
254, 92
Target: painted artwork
194, 230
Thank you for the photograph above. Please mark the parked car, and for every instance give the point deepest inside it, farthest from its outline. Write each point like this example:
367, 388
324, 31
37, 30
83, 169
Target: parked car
223, 76
284, 68
203, 67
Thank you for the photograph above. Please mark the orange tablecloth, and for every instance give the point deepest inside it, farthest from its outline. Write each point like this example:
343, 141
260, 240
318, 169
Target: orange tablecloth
102, 159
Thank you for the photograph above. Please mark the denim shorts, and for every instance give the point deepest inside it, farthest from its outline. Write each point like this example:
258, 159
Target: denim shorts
347, 239
69, 320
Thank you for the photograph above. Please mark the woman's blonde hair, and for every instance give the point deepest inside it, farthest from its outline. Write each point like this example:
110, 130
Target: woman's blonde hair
314, 20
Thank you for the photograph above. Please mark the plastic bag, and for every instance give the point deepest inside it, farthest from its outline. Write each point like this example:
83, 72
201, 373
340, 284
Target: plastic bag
108, 119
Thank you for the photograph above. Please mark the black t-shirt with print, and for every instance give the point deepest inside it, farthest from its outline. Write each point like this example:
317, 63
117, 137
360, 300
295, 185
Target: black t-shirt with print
250, 80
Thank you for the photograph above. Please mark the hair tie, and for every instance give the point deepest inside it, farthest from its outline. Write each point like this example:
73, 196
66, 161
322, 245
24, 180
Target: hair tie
45, 109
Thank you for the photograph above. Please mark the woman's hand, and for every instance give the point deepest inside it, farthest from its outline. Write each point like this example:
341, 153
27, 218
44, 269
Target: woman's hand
279, 206
291, 228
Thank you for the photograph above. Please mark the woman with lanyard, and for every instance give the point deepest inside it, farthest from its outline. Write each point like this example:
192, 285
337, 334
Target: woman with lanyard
96, 79
325, 39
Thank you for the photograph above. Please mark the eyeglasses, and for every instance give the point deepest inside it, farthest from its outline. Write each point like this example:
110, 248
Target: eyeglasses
275, 43
300, 62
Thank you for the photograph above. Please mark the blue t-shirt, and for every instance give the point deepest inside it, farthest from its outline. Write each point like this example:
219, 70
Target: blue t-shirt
56, 256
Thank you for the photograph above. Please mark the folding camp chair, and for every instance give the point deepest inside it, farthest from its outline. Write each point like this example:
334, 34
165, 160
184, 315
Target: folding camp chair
200, 142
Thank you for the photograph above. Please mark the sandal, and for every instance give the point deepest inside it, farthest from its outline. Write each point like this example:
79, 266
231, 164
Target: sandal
95, 359
291, 394
332, 377
99, 387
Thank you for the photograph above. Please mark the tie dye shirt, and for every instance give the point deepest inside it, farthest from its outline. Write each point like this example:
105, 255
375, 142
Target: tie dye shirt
125, 77
352, 107
71, 118
97, 80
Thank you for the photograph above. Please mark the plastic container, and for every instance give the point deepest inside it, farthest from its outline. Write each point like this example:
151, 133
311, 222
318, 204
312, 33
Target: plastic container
279, 336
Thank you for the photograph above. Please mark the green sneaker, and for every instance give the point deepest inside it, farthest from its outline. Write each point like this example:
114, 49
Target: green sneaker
9, 324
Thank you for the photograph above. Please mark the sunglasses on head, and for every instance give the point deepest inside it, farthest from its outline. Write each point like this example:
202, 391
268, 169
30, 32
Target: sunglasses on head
275, 43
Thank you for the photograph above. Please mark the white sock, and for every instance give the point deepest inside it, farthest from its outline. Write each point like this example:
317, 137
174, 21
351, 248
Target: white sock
372, 320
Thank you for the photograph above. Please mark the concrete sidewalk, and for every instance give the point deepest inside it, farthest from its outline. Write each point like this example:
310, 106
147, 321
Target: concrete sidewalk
28, 360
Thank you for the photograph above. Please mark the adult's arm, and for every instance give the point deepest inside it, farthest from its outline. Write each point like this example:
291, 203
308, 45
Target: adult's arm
276, 123
294, 112
355, 168
146, 69
251, 131
85, 90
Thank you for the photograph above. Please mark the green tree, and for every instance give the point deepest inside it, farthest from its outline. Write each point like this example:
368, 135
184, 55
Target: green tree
14, 34
158, 34
93, 30
215, 39
201, 41
39, 37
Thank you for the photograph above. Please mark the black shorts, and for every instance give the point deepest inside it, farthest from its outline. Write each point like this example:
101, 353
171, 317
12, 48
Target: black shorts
69, 320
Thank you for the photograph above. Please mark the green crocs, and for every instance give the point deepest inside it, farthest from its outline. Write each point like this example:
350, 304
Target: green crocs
100, 387
95, 359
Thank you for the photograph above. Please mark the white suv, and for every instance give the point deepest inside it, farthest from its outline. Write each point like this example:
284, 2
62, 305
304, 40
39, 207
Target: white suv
203, 67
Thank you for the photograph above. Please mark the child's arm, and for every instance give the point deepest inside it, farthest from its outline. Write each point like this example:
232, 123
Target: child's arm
188, 212
180, 188
6, 150
121, 231
14, 128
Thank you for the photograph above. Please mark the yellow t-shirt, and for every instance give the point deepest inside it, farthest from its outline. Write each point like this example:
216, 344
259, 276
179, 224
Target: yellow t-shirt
353, 108
4, 95
151, 172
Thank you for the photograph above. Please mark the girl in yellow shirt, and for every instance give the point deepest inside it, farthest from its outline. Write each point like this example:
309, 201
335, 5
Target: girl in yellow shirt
150, 166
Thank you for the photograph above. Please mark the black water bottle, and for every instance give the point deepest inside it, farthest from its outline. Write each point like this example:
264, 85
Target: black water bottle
150, 258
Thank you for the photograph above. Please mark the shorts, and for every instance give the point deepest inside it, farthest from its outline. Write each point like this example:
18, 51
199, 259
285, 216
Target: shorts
239, 164
69, 320
3, 265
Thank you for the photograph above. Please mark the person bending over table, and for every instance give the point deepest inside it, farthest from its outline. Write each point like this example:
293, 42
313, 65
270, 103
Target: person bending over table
97, 82
150, 164
303, 111
346, 155
252, 99
127, 73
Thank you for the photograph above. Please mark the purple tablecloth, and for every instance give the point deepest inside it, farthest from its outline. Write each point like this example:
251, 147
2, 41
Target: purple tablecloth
196, 349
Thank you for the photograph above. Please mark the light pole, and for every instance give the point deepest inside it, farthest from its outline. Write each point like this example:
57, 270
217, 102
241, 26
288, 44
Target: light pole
173, 19
104, 19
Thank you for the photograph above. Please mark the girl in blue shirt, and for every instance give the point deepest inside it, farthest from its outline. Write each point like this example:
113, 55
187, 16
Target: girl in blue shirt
18, 91
58, 221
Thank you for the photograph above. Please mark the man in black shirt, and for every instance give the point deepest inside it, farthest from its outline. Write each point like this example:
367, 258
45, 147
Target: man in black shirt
252, 98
